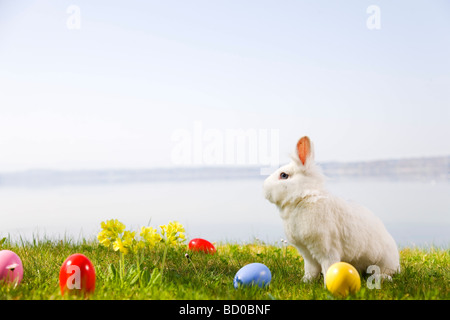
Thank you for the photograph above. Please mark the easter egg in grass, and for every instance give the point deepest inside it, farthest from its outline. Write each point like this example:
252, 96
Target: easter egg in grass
77, 275
203, 245
11, 268
253, 274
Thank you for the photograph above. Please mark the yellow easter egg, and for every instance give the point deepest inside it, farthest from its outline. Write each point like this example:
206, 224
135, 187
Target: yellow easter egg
342, 278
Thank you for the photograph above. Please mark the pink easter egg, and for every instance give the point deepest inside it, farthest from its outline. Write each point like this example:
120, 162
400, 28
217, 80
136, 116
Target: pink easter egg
11, 269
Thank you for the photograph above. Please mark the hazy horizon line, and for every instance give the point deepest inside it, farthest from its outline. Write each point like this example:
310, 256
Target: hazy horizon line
223, 166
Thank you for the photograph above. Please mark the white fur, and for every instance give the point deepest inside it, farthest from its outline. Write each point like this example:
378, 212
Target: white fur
324, 228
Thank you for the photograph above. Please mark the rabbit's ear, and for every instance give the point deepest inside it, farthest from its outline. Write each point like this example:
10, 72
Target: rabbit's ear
304, 149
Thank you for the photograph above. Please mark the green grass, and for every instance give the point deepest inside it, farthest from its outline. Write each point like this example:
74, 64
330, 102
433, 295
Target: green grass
425, 273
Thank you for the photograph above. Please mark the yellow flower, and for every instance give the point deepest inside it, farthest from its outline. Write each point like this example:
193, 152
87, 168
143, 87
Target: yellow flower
126, 243
111, 229
139, 245
119, 245
150, 236
128, 237
103, 238
113, 225
113, 234
173, 232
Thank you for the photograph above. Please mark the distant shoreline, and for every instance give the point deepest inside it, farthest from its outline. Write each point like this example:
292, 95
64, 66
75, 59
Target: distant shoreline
435, 169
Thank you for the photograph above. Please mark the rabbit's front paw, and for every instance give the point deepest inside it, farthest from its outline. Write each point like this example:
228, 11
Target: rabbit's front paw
308, 278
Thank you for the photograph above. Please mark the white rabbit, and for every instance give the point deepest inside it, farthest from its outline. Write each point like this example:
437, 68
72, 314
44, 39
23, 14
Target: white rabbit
324, 228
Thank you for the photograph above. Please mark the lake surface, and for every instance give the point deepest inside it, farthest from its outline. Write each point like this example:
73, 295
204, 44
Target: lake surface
415, 213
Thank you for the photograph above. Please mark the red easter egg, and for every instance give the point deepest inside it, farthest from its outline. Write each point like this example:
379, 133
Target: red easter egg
77, 275
198, 244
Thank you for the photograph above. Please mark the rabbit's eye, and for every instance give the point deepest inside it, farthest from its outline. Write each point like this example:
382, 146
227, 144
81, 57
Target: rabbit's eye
284, 175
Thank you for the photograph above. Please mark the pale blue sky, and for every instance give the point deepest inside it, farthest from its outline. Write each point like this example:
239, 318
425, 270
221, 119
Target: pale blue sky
111, 94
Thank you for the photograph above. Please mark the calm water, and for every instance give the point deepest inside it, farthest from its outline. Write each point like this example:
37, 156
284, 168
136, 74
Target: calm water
415, 213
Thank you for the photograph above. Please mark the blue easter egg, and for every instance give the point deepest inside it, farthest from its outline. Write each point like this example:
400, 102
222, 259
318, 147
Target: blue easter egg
252, 274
